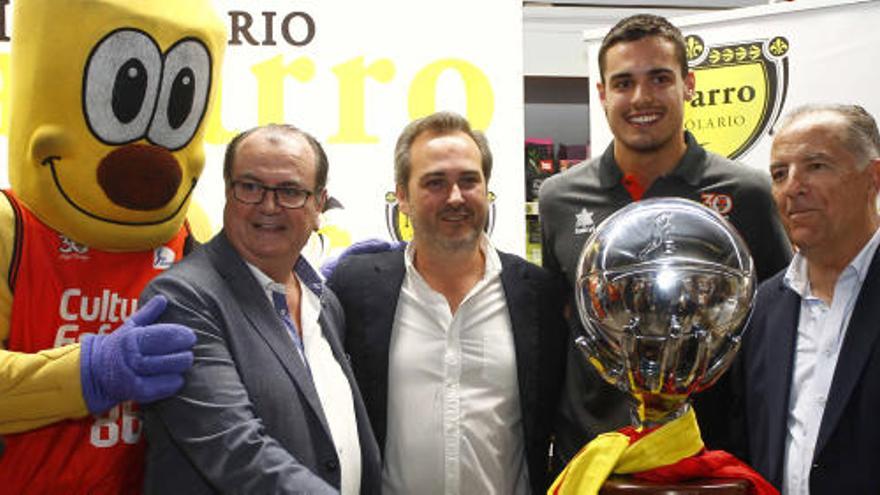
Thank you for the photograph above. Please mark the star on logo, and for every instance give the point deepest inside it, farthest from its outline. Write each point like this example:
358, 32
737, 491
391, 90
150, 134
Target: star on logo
583, 222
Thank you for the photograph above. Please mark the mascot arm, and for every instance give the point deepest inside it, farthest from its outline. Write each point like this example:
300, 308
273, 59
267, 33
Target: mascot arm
35, 389
137, 361
39, 389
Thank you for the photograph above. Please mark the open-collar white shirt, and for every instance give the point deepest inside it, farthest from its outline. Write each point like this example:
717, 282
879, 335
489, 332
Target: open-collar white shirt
820, 334
454, 418
330, 381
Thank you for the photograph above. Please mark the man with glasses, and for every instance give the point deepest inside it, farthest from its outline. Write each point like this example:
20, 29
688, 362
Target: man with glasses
270, 405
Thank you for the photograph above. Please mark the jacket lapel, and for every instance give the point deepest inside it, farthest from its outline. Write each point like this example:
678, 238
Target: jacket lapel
390, 270
252, 302
382, 297
858, 345
778, 342
521, 304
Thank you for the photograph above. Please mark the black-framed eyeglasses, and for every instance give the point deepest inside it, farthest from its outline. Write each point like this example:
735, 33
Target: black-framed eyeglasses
253, 193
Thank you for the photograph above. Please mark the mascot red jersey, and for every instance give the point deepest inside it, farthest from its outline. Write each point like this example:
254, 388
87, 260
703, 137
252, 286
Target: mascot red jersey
108, 107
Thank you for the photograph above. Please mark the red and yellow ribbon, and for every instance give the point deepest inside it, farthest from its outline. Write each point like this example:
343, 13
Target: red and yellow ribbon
672, 453
613, 453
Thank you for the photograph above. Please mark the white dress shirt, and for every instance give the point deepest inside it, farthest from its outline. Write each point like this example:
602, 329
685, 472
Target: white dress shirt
820, 334
330, 382
454, 418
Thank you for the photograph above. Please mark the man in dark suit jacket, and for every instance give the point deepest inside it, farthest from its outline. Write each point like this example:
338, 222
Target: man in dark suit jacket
811, 354
458, 348
270, 405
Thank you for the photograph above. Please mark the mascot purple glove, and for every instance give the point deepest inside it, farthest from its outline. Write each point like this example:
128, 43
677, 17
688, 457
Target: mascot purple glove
138, 361
361, 247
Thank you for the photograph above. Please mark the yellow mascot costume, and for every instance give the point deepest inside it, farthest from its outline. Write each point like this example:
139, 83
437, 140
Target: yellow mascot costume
109, 99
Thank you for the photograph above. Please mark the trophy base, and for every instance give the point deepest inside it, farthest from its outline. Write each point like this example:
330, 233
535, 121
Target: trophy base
622, 485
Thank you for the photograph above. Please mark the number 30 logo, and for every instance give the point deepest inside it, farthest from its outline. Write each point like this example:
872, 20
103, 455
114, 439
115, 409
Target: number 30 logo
722, 203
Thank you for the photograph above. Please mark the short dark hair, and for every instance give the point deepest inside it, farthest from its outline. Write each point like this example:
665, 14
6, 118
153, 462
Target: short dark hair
437, 123
862, 136
636, 27
322, 165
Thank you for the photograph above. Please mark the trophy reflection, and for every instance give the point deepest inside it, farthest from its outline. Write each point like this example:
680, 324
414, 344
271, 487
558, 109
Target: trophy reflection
664, 288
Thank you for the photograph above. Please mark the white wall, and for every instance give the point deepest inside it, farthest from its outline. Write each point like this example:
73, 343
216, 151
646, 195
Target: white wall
553, 35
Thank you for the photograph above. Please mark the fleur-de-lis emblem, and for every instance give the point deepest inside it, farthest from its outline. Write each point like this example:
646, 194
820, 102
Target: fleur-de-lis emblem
694, 47
778, 46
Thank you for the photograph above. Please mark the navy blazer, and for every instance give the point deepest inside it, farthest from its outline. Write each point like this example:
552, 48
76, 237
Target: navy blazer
368, 287
847, 455
248, 419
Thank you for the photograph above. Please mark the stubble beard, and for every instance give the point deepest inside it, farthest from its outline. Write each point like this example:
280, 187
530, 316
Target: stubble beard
468, 243
450, 245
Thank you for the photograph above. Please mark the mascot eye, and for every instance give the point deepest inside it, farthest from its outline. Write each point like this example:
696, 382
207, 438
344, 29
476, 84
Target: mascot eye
181, 100
120, 86
129, 90
186, 79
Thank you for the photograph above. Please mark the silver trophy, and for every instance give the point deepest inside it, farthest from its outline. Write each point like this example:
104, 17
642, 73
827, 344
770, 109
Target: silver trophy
664, 287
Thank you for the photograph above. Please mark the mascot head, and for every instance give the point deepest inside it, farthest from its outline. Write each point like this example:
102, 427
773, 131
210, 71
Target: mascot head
109, 103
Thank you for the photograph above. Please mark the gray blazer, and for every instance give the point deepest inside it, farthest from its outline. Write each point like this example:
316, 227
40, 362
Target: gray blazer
248, 419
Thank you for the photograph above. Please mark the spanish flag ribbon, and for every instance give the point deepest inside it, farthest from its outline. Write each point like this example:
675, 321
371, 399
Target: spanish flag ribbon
614, 452
673, 452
